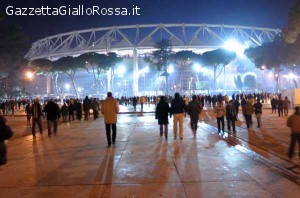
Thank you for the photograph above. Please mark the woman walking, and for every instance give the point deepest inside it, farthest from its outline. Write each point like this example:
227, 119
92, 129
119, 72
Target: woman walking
162, 113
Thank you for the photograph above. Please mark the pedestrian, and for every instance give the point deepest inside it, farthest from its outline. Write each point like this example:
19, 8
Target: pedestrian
37, 114
134, 103
258, 111
96, 108
248, 111
109, 109
274, 104
220, 113
178, 107
64, 112
280, 107
286, 105
53, 115
142, 101
86, 108
194, 109
237, 105
28, 113
294, 122
231, 116
162, 115
72, 109
5, 133
78, 108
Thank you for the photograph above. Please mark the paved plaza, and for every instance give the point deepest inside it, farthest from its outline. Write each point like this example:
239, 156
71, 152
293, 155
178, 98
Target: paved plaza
78, 163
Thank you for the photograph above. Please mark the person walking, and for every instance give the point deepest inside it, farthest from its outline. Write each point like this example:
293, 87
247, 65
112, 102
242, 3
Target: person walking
134, 103
280, 107
294, 123
28, 113
258, 111
78, 107
64, 112
248, 111
178, 107
194, 109
86, 108
110, 109
286, 106
274, 104
53, 115
36, 112
96, 108
72, 109
220, 113
162, 115
5, 133
231, 116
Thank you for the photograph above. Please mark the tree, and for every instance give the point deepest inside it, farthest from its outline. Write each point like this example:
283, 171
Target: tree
217, 59
183, 60
160, 58
249, 81
13, 47
97, 63
292, 31
69, 66
45, 67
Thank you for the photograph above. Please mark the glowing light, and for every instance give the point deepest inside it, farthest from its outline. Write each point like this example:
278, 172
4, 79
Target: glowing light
170, 69
291, 75
67, 86
144, 70
120, 71
29, 74
233, 45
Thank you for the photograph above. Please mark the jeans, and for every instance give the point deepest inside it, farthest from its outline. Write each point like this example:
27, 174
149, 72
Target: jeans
248, 120
39, 122
280, 112
49, 125
108, 133
231, 121
194, 124
161, 126
219, 121
258, 118
178, 118
294, 137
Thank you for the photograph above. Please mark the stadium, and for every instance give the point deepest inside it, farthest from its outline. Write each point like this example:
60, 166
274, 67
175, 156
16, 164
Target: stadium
133, 42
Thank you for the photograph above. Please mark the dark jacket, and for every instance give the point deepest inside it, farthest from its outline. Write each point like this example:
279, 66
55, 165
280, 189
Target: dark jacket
36, 110
162, 111
194, 109
231, 113
257, 108
5, 133
177, 106
52, 111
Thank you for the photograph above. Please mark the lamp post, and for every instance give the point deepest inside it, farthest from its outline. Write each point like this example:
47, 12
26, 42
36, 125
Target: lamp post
29, 76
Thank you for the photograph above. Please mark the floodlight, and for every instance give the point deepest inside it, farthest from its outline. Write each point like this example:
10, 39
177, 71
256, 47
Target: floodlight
170, 69
67, 86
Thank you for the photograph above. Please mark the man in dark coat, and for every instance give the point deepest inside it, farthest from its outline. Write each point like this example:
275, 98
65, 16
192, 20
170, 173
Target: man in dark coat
194, 109
53, 115
36, 112
231, 116
162, 113
5, 133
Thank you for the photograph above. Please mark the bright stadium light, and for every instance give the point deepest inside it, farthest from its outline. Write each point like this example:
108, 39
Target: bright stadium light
235, 46
170, 69
67, 86
120, 71
197, 68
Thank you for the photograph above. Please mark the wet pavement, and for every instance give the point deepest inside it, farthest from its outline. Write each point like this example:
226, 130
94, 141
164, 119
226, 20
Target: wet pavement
78, 163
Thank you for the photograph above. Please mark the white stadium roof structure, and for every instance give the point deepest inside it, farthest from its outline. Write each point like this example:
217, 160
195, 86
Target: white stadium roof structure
128, 39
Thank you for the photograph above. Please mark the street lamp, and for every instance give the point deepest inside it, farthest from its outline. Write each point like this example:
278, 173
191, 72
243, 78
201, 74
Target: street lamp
263, 67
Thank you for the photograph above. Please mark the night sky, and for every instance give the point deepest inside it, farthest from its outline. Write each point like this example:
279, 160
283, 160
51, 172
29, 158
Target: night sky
260, 13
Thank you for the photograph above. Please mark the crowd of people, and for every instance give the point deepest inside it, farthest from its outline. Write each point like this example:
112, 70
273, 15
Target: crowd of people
224, 107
